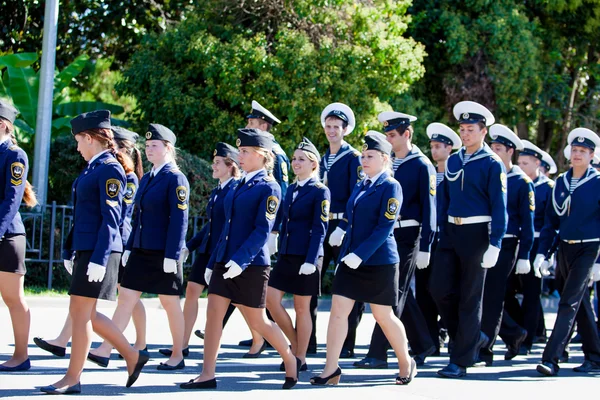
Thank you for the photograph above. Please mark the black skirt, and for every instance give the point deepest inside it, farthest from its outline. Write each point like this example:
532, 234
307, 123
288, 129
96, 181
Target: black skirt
144, 273
12, 254
374, 284
198, 269
121, 270
285, 277
248, 289
105, 290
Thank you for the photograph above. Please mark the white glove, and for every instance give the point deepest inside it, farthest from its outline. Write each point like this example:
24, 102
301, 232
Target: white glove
125, 257
69, 266
337, 237
352, 260
95, 272
490, 257
207, 275
545, 268
170, 266
233, 270
422, 260
523, 267
596, 272
307, 269
537, 265
272, 242
183, 255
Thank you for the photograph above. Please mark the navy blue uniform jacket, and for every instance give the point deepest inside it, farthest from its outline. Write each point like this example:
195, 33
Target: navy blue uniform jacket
346, 171
14, 164
521, 209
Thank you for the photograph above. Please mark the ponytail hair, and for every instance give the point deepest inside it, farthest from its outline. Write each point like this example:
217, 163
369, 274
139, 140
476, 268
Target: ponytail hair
133, 153
29, 197
172, 151
106, 139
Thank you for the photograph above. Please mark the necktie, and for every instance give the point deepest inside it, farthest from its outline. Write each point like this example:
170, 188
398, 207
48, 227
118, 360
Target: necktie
151, 177
296, 189
363, 189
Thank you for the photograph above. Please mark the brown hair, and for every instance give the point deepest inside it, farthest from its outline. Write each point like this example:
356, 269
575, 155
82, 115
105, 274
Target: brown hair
29, 197
235, 170
134, 155
106, 138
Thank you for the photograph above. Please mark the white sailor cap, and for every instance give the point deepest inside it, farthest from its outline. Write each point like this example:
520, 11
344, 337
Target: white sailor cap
260, 112
438, 132
596, 161
395, 120
583, 137
548, 163
470, 112
530, 149
504, 135
340, 111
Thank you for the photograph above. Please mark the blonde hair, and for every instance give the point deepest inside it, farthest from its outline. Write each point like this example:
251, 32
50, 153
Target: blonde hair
29, 197
269, 162
172, 151
311, 157
388, 164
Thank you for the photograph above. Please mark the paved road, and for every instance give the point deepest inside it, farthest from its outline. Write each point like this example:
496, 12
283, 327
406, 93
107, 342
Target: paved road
261, 378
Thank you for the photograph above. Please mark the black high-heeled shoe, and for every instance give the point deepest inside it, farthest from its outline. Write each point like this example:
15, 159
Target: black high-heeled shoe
209, 384
332, 379
291, 382
405, 380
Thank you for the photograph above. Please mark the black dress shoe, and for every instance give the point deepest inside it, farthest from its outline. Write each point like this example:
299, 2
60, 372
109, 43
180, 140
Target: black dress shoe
332, 379
24, 366
100, 361
75, 389
588, 366
371, 363
169, 352
482, 342
564, 358
420, 358
209, 384
121, 357
290, 382
453, 371
257, 354
167, 367
547, 368
523, 350
245, 343
303, 367
312, 349
56, 350
199, 333
514, 347
405, 380
345, 353
143, 358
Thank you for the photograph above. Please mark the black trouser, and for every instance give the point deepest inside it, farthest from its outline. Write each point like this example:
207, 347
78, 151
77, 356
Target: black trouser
575, 263
407, 240
425, 300
331, 254
456, 285
494, 293
532, 303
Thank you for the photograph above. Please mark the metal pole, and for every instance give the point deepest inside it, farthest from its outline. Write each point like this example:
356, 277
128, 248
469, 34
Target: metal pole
51, 246
44, 110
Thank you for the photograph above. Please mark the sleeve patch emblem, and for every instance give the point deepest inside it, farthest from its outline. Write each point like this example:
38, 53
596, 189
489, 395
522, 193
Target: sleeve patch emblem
17, 170
392, 208
272, 203
129, 192
112, 187
182, 194
432, 184
360, 173
284, 171
325, 211
531, 201
503, 181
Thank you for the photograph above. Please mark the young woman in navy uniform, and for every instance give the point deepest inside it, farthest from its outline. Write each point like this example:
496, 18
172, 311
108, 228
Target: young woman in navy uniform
298, 270
368, 271
575, 214
414, 234
226, 169
340, 171
474, 219
14, 189
94, 246
152, 258
516, 243
238, 271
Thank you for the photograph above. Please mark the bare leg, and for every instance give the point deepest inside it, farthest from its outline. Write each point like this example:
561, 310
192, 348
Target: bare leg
303, 325
336, 332
11, 289
394, 332
190, 310
139, 321
176, 324
215, 313
281, 317
257, 339
65, 334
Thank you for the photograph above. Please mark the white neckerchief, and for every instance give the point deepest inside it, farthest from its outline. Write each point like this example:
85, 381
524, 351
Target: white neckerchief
93, 158
299, 185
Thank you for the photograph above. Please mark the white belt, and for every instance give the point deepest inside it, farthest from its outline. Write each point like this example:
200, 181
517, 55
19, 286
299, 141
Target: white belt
508, 236
581, 241
469, 220
336, 215
409, 222
536, 234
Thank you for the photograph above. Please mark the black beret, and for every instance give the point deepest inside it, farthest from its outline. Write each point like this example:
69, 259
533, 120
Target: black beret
226, 150
8, 112
377, 141
99, 119
160, 132
254, 138
124, 134
307, 145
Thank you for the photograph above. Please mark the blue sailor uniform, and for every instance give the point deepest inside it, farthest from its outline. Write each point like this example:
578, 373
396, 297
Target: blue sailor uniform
128, 205
281, 168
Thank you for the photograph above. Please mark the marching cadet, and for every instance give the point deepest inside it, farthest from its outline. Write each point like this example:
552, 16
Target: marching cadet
519, 234
14, 189
153, 257
238, 270
94, 248
413, 233
474, 198
341, 170
298, 269
575, 214
442, 140
369, 271
226, 169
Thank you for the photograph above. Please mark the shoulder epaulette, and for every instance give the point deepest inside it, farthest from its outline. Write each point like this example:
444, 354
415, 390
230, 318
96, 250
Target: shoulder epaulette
551, 183
110, 161
320, 185
527, 179
355, 153
269, 178
496, 157
14, 147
